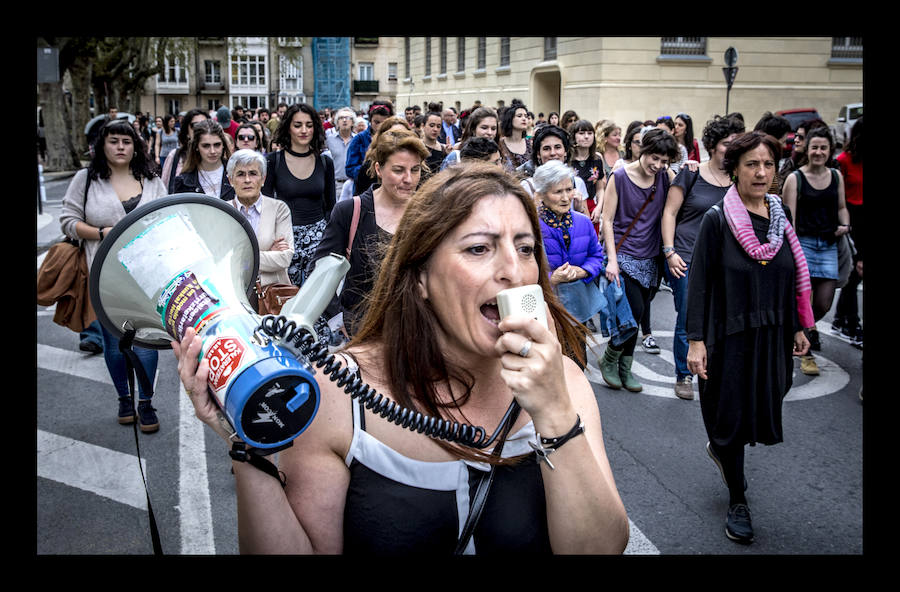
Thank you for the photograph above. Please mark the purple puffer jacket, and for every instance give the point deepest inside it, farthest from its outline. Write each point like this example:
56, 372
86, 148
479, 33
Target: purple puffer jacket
584, 247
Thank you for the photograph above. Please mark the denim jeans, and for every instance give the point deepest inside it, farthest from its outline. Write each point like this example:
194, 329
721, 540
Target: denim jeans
118, 370
679, 342
92, 333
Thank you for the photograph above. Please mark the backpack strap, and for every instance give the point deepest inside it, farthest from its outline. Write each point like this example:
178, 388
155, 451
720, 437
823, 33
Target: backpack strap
354, 222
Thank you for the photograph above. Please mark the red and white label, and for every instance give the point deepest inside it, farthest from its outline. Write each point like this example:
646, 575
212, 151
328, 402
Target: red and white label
224, 356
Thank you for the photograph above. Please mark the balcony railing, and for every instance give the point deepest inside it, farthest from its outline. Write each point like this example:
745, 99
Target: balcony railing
365, 40
365, 86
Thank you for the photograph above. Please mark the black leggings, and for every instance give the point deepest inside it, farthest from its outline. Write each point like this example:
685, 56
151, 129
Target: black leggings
639, 301
822, 296
732, 459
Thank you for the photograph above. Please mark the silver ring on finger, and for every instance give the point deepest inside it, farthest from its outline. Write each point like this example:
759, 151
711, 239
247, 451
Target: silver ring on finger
525, 349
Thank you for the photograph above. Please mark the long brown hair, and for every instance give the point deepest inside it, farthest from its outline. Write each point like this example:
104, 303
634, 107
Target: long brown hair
398, 318
203, 128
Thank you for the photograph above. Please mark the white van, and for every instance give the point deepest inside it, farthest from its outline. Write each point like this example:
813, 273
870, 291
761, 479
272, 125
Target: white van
847, 116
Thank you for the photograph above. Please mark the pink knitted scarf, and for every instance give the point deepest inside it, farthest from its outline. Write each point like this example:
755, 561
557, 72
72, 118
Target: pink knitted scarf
739, 222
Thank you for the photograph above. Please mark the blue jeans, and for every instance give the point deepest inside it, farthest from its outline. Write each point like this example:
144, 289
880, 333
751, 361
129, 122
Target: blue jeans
92, 333
679, 342
118, 370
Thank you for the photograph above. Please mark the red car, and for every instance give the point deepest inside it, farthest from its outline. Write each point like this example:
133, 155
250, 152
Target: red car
796, 117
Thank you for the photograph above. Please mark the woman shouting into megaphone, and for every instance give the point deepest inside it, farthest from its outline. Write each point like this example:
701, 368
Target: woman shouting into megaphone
432, 340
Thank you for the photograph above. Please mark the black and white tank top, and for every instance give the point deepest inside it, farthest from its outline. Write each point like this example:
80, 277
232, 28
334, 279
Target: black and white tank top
398, 505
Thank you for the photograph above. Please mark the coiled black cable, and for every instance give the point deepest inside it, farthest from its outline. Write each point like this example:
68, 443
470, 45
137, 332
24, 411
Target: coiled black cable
316, 352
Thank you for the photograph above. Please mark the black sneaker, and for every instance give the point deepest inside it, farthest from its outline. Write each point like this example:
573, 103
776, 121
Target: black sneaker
92, 347
126, 411
737, 524
147, 417
814, 343
838, 325
856, 340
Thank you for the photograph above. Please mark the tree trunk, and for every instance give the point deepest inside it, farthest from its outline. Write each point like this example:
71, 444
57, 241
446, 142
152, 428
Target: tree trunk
61, 154
80, 80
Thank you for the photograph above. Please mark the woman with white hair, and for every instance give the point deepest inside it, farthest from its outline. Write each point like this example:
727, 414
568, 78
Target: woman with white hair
573, 250
270, 218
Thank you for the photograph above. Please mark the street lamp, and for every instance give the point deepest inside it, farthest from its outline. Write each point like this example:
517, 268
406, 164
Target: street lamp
730, 72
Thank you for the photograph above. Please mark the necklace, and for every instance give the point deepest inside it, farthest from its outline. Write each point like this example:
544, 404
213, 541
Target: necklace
299, 154
712, 171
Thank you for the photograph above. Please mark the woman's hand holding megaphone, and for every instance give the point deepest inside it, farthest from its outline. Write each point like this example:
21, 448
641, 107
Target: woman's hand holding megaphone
194, 377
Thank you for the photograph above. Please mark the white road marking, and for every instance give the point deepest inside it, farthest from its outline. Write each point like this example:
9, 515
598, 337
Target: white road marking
638, 544
109, 473
831, 379
73, 362
193, 482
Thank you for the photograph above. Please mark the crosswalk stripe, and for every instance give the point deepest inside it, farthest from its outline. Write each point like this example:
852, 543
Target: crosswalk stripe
193, 483
109, 473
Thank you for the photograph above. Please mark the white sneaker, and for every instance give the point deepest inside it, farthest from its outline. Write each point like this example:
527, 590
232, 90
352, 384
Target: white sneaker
649, 345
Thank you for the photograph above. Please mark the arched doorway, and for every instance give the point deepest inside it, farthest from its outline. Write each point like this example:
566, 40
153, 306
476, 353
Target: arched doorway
546, 83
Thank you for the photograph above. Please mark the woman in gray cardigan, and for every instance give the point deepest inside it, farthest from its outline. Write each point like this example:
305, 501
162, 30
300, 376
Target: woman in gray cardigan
118, 180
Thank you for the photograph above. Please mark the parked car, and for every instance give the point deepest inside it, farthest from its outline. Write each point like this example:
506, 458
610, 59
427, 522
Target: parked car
847, 116
796, 117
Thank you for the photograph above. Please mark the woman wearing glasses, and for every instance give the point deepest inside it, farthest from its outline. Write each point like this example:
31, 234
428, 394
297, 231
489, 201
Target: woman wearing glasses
247, 137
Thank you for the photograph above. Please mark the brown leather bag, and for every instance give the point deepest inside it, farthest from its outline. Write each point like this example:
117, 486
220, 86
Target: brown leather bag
272, 297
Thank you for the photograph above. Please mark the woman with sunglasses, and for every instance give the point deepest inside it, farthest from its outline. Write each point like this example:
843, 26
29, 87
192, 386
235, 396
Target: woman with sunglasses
247, 137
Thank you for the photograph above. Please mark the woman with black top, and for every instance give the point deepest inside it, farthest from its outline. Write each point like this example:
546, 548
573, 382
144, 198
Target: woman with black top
515, 147
204, 165
356, 483
301, 176
632, 210
397, 156
748, 301
437, 151
587, 163
816, 193
691, 194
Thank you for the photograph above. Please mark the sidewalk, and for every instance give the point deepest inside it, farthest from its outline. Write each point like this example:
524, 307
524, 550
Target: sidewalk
48, 231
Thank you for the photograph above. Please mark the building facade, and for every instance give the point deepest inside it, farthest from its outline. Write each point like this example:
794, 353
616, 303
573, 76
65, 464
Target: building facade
634, 78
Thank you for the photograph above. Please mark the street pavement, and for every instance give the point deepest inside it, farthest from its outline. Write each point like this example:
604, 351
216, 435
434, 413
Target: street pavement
805, 494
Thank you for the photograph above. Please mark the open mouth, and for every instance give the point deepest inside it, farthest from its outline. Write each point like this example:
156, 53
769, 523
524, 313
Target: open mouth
491, 312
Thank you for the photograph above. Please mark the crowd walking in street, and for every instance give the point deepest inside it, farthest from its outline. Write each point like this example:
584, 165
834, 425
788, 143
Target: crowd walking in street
437, 211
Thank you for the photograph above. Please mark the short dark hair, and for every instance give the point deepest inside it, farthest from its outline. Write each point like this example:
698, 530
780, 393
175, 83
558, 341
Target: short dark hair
746, 142
479, 148
541, 135
659, 141
774, 125
821, 132
583, 125
718, 128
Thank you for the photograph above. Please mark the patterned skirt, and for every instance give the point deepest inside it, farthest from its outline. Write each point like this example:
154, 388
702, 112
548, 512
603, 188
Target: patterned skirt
306, 241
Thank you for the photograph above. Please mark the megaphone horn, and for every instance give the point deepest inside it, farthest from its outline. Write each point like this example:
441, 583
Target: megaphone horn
188, 260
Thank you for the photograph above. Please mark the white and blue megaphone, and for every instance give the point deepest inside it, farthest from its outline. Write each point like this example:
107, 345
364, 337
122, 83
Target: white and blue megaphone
189, 260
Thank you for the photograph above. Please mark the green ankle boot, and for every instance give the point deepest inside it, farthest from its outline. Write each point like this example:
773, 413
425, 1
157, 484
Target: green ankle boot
628, 379
609, 367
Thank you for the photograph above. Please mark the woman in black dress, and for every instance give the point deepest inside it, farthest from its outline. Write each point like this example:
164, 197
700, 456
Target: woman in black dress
304, 178
748, 302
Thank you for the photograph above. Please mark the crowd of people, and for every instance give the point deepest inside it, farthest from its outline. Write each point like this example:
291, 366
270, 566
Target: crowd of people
437, 211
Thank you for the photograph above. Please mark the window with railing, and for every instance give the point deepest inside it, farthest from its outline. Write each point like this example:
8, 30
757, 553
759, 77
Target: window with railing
290, 74
428, 56
482, 53
406, 47
173, 73
549, 48
848, 48
392, 70
683, 46
460, 54
504, 51
443, 56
